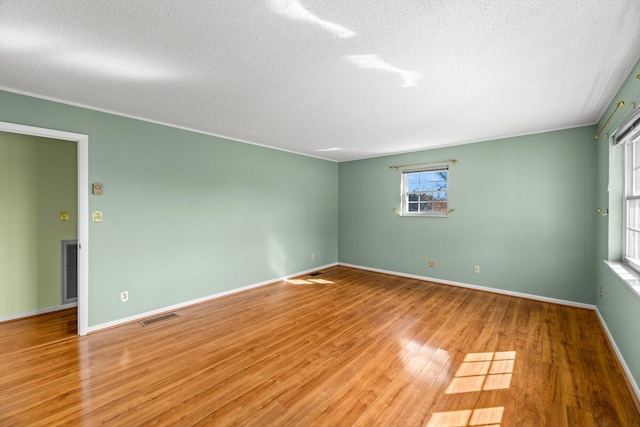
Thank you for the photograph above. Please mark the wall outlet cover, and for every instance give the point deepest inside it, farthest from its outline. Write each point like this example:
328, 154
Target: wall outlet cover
97, 188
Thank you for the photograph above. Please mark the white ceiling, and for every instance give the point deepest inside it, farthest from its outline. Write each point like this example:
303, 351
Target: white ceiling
361, 78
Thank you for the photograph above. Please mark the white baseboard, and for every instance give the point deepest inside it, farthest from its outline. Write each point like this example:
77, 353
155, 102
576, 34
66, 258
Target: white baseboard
476, 287
200, 300
36, 312
623, 363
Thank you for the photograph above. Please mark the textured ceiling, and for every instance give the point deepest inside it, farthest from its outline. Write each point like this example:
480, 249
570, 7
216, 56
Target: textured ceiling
335, 79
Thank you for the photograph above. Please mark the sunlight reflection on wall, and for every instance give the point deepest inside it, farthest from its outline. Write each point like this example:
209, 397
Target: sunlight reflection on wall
277, 256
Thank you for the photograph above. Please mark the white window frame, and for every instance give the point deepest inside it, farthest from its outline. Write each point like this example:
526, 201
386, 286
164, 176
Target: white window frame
631, 190
405, 193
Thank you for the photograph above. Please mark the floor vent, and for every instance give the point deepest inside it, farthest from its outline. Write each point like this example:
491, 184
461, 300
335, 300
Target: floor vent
315, 273
157, 319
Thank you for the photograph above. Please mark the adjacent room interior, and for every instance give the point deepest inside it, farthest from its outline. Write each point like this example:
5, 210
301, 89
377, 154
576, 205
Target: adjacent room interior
350, 228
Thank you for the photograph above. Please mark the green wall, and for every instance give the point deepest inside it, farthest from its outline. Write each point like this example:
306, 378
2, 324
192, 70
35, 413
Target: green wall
619, 305
38, 180
187, 215
523, 213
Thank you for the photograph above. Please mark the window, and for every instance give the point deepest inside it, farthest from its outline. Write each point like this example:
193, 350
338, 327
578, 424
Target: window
629, 135
425, 191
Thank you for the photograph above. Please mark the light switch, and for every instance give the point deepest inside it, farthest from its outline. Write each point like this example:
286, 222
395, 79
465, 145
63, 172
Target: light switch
64, 216
97, 188
97, 216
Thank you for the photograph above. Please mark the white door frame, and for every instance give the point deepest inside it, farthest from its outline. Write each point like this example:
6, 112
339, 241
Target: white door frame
83, 209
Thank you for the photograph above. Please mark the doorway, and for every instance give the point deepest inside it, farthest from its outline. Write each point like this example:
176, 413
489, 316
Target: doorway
82, 142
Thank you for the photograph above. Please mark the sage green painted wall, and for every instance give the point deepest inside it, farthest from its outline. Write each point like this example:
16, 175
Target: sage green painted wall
619, 306
524, 213
38, 180
187, 215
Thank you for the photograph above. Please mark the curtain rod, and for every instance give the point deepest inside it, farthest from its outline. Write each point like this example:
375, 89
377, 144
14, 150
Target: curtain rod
454, 161
597, 135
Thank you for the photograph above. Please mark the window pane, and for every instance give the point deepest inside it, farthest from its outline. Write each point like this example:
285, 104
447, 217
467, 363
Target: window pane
427, 186
633, 229
634, 152
426, 176
633, 213
632, 245
440, 207
426, 191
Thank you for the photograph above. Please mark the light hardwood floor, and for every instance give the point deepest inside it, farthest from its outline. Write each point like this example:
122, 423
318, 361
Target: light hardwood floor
346, 347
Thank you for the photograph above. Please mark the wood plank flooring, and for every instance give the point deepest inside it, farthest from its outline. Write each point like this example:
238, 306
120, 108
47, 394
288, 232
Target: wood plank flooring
346, 347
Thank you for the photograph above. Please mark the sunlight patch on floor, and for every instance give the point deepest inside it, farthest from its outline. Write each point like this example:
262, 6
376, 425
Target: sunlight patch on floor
482, 417
483, 371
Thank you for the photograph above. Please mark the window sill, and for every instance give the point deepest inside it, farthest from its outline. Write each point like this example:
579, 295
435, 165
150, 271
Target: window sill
412, 215
424, 216
627, 275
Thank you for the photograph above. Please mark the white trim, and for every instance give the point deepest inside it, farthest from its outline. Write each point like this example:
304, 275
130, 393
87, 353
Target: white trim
36, 312
476, 287
616, 350
83, 208
201, 300
157, 122
83, 235
627, 275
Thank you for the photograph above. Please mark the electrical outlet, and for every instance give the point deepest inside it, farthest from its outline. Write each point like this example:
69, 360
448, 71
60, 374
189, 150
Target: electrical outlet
124, 296
476, 269
313, 255
431, 263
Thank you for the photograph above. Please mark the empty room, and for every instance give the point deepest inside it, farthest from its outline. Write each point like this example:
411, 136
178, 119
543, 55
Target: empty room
320, 213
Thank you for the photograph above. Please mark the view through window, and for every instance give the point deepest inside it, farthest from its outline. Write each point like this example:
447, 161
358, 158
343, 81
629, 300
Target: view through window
425, 191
